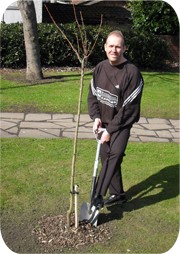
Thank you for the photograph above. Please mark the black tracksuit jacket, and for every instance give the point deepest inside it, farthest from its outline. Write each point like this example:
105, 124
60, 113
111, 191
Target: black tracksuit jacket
115, 95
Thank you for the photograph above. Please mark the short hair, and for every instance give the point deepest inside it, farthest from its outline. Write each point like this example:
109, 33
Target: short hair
118, 33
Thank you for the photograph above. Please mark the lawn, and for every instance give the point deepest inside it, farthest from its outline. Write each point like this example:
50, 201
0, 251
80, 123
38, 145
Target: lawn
35, 173
58, 93
35, 180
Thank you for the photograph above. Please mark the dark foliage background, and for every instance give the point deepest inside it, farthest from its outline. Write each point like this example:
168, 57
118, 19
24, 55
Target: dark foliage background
143, 49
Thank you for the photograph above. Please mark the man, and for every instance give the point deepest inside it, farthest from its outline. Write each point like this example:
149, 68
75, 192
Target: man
114, 103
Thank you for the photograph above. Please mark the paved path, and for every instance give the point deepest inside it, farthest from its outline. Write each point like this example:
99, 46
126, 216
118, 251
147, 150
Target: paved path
42, 125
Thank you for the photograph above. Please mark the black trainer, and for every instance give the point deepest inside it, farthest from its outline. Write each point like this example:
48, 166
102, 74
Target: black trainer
98, 202
113, 199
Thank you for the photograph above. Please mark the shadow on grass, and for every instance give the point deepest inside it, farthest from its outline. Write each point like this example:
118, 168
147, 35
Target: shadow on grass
166, 182
41, 82
45, 81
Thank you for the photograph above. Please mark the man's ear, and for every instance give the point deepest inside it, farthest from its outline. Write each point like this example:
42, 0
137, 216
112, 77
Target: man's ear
105, 46
124, 48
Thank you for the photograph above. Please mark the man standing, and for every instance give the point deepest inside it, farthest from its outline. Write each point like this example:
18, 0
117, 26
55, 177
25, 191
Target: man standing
114, 103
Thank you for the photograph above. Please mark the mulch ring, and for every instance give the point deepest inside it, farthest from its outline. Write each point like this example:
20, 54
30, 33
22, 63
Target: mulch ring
53, 234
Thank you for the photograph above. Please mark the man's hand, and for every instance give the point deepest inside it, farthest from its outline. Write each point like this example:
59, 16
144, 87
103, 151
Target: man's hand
97, 124
105, 137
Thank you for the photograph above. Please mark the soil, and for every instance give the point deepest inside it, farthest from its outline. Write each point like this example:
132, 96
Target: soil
53, 234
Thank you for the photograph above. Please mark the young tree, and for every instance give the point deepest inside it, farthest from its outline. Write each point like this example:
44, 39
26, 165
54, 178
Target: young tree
33, 63
83, 51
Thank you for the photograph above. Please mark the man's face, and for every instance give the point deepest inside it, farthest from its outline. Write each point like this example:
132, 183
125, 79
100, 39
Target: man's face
114, 48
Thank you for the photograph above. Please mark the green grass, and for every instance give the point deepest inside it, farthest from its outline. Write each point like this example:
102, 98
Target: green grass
161, 95
35, 174
60, 94
35, 180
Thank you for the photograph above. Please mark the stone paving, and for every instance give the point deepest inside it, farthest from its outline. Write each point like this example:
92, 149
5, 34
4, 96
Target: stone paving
41, 125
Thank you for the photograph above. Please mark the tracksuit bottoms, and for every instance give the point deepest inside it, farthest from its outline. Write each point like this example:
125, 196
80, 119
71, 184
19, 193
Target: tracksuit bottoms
112, 154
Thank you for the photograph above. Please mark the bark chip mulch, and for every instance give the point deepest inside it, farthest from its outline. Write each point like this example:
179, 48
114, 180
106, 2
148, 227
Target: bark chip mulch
53, 234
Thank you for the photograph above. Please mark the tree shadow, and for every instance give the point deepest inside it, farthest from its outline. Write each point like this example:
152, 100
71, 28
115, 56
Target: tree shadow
72, 76
47, 80
23, 83
166, 182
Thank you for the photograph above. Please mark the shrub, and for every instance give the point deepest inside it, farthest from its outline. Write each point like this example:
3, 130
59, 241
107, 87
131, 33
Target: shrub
13, 53
56, 51
157, 17
146, 51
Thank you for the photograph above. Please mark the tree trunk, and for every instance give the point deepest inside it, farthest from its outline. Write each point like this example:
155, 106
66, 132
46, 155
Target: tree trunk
69, 212
33, 63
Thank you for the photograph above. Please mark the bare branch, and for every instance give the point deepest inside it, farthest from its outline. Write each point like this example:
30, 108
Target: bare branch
78, 46
96, 37
80, 30
84, 42
65, 37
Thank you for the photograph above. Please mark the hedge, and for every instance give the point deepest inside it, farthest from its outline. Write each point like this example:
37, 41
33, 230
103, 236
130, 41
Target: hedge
147, 51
